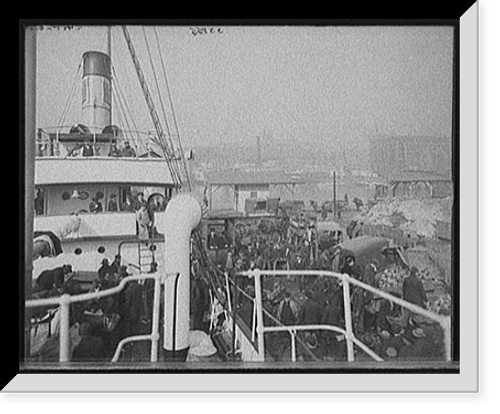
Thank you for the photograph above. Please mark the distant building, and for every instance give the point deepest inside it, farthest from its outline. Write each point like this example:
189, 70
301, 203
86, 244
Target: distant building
391, 155
231, 188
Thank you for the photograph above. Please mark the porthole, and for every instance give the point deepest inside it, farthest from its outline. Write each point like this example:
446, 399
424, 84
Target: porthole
66, 196
101, 249
78, 251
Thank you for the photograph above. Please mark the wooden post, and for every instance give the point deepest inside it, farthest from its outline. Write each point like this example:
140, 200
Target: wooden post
334, 195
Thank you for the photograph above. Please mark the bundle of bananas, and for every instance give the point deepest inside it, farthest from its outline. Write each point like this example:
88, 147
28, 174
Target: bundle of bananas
441, 305
392, 277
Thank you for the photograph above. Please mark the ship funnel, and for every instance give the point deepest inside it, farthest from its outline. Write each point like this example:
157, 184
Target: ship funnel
96, 91
181, 217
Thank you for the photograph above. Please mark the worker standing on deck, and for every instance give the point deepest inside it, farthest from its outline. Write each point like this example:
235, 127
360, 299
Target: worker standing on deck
143, 222
87, 149
114, 151
128, 204
128, 151
95, 205
112, 205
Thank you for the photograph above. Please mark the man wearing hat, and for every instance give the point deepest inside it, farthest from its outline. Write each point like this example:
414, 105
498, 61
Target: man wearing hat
391, 345
112, 204
127, 150
87, 149
104, 272
413, 292
95, 206
419, 349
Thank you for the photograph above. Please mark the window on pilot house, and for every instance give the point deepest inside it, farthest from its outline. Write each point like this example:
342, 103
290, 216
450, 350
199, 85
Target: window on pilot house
106, 97
84, 90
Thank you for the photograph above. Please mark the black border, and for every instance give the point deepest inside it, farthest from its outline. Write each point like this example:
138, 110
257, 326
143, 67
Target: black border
455, 23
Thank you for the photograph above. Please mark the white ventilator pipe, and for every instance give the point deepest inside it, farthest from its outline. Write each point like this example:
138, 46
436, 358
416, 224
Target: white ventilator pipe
181, 217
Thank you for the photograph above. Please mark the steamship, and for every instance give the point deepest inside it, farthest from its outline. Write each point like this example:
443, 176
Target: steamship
81, 192
81, 188
80, 217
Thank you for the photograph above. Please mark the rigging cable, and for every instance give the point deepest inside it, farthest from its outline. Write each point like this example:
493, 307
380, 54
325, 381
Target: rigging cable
152, 111
169, 137
122, 108
68, 101
123, 103
176, 126
157, 84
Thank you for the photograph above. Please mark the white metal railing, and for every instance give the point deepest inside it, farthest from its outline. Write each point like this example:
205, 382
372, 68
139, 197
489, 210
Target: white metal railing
443, 321
66, 300
49, 143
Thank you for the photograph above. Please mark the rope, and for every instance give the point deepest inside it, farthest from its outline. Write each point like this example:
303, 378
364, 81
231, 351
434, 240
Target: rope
68, 101
152, 110
169, 139
122, 108
176, 126
125, 104
156, 82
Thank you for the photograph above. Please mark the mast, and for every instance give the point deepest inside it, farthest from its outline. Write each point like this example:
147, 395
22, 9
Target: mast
166, 146
111, 75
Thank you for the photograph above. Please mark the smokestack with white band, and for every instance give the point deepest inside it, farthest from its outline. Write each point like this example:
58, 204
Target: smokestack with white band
96, 91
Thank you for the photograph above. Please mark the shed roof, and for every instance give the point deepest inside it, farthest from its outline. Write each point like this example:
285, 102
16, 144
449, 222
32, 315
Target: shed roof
420, 176
240, 177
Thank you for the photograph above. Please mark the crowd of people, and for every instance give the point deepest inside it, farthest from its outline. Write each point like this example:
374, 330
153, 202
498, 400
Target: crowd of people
89, 149
390, 330
103, 322
144, 211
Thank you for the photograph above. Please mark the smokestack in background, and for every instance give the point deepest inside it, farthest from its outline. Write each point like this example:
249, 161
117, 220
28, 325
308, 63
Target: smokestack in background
96, 91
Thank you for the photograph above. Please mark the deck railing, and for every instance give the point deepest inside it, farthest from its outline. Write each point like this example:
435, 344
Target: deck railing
66, 300
351, 339
58, 142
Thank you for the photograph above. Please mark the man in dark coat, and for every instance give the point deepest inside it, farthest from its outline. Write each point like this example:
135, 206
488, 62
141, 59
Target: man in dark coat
127, 150
413, 289
128, 204
310, 312
53, 278
95, 206
131, 309
413, 292
369, 273
103, 273
200, 302
112, 205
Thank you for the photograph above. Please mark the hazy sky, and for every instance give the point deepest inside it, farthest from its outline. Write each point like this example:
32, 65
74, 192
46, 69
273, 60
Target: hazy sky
322, 84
